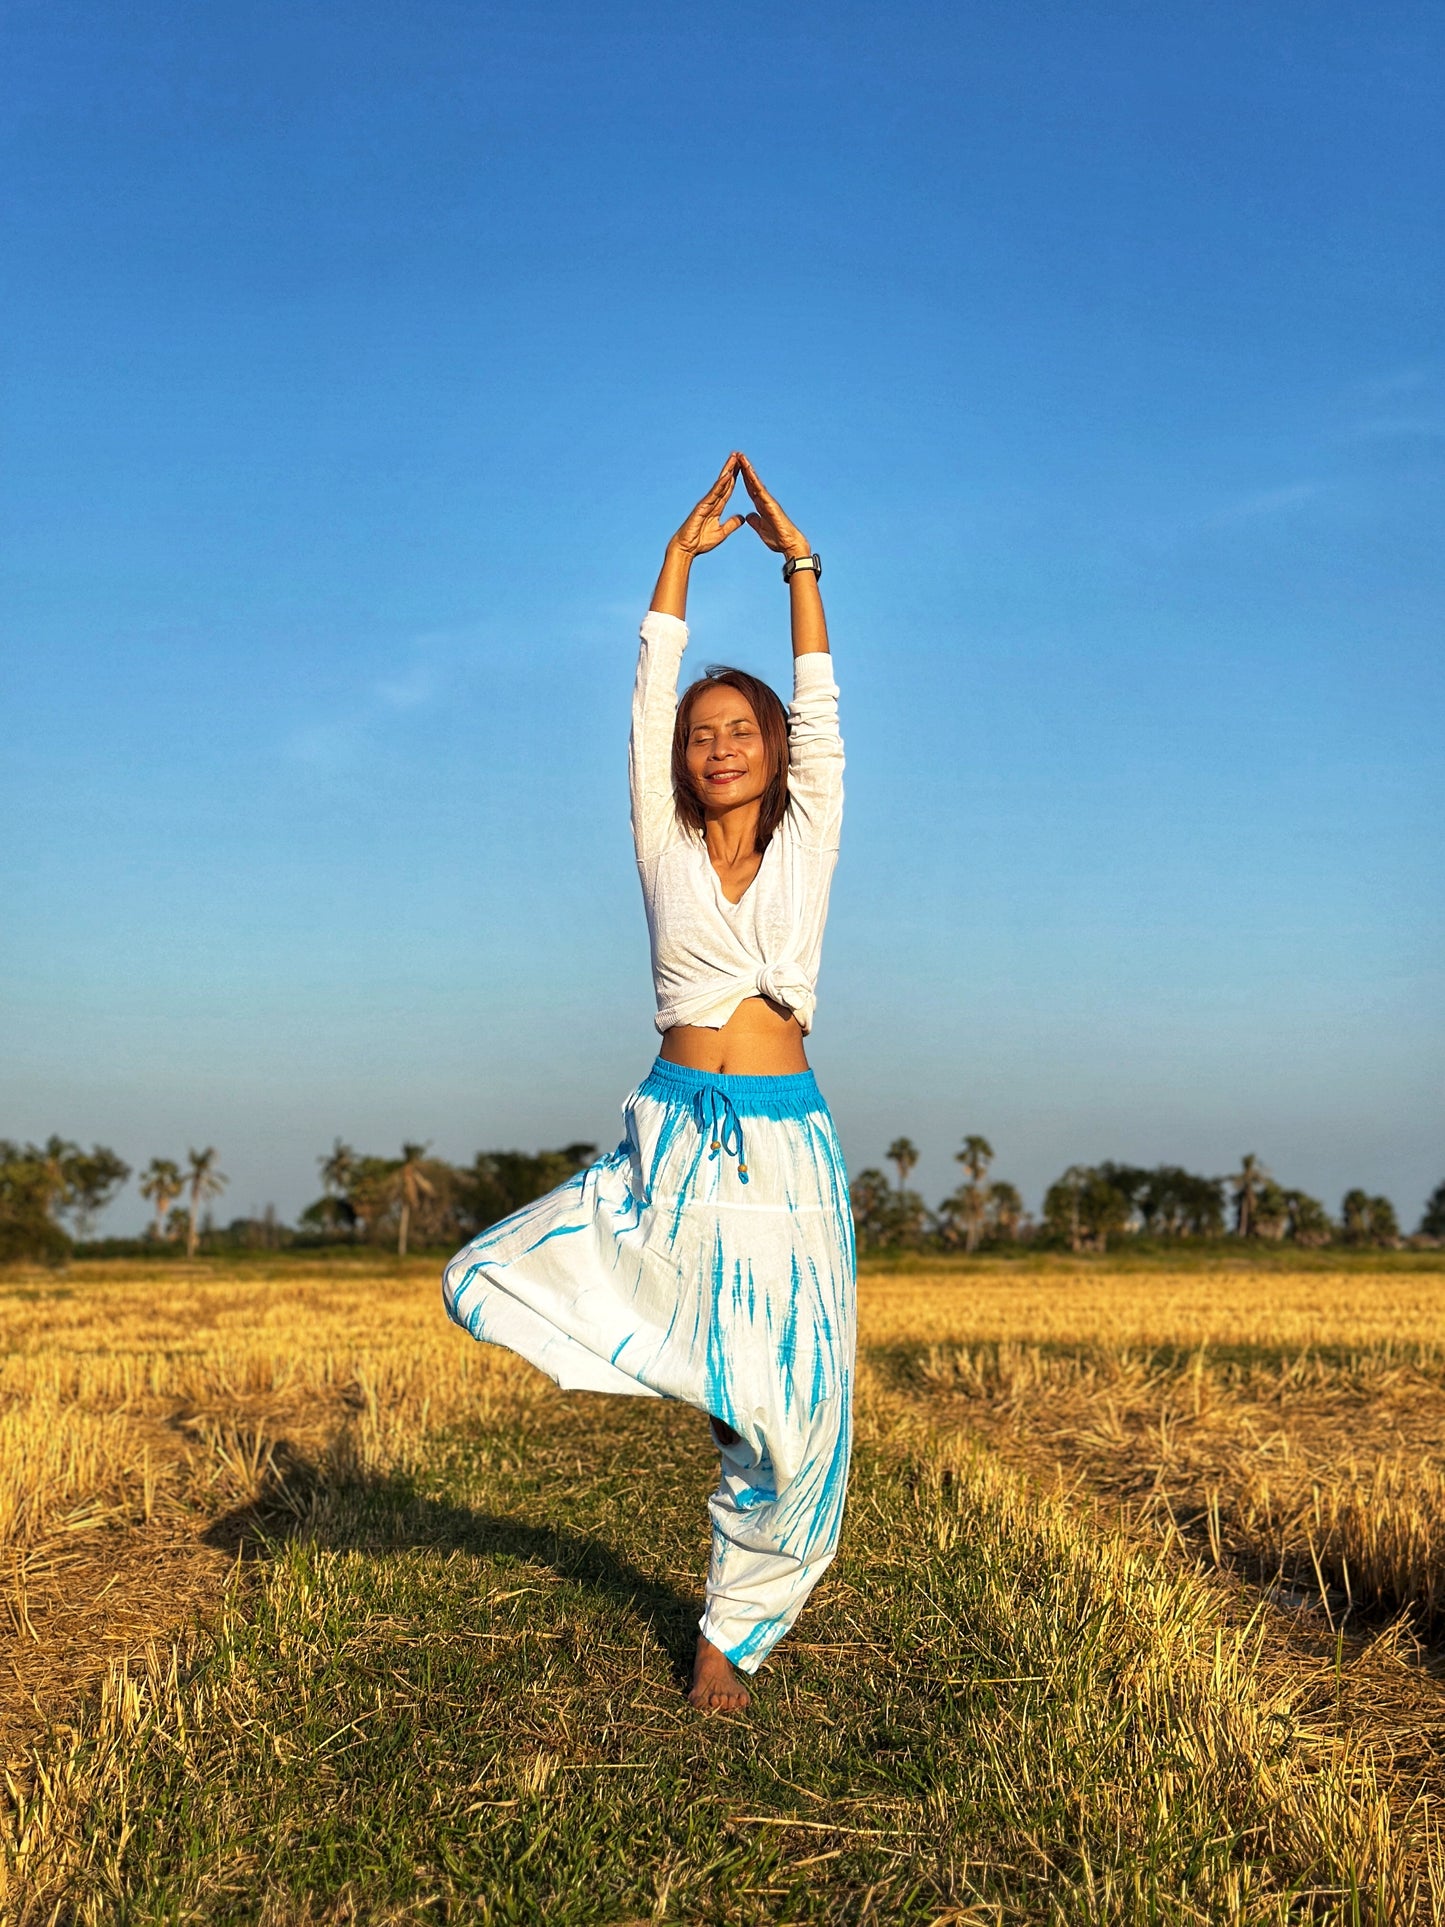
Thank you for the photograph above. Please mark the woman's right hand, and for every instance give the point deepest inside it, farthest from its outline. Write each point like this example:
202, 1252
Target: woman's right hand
702, 530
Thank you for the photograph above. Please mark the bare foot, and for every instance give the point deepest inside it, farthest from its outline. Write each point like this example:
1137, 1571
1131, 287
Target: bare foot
716, 1688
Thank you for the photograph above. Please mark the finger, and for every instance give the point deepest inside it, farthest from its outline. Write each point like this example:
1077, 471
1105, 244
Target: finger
723, 487
754, 484
761, 497
760, 528
712, 533
708, 507
715, 533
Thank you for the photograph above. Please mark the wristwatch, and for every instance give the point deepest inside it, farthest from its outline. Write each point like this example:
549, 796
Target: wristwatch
796, 562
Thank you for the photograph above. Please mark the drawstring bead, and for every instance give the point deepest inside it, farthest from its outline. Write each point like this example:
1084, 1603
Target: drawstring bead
718, 1121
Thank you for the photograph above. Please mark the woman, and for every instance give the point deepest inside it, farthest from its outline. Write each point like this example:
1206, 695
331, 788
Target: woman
710, 1257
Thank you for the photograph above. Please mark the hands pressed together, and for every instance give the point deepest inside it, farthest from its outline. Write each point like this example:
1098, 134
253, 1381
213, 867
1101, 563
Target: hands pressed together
705, 528
709, 525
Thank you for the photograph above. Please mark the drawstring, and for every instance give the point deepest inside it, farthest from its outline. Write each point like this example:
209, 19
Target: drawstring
718, 1121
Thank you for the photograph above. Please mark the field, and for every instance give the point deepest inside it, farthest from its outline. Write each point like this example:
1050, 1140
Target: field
319, 1612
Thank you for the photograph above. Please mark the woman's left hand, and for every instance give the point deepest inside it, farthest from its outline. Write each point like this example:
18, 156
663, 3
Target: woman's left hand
767, 520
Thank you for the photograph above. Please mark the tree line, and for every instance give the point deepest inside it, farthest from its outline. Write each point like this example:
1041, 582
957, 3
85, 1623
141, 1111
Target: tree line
1093, 1206
52, 1194
417, 1199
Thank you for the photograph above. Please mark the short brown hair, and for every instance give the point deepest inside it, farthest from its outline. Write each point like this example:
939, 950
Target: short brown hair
767, 706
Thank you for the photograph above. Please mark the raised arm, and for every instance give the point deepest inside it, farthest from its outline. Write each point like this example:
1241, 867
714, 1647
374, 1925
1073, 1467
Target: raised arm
810, 626
701, 532
815, 747
664, 637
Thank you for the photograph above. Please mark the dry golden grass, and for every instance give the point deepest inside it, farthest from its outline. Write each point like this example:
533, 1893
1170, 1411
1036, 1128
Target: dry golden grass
1292, 1423
125, 1388
107, 1376
1267, 1414
1213, 1684
1300, 1467
142, 1406
1226, 1305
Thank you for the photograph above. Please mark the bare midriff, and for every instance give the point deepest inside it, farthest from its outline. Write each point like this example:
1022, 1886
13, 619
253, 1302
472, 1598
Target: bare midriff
760, 1039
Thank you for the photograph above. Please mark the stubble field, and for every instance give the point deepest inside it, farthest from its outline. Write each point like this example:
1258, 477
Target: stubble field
319, 1612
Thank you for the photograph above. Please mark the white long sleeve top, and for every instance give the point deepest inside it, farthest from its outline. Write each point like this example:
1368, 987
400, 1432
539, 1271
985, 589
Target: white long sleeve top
709, 955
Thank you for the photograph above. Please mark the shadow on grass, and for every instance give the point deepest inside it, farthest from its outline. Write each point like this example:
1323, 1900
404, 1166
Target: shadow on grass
377, 1515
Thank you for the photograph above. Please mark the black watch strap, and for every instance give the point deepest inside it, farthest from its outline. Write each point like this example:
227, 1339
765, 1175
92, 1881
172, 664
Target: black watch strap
796, 562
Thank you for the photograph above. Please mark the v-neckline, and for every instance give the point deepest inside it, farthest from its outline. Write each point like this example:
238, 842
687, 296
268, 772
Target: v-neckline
724, 899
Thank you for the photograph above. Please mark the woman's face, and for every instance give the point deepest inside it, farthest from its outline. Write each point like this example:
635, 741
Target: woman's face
726, 757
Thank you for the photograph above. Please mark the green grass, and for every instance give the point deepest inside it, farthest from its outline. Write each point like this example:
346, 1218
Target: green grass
1131, 1254
1126, 1255
455, 1694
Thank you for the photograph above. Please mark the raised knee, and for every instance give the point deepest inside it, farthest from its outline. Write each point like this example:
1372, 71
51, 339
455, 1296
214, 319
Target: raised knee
454, 1279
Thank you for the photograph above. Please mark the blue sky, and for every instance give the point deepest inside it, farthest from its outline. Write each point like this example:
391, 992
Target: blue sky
357, 362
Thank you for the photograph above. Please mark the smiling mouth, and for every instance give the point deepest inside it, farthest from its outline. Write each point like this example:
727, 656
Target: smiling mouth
726, 776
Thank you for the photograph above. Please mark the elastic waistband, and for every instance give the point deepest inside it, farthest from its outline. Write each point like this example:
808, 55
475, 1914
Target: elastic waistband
756, 1096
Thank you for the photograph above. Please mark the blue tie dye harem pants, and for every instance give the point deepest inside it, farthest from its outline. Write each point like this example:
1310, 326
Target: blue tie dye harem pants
709, 1258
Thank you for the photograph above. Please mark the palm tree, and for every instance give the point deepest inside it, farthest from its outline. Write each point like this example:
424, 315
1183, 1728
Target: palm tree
203, 1180
411, 1187
903, 1153
975, 1157
1248, 1181
162, 1181
338, 1169
1005, 1209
